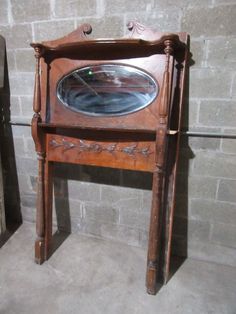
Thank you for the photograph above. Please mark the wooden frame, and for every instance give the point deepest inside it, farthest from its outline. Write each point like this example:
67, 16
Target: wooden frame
146, 140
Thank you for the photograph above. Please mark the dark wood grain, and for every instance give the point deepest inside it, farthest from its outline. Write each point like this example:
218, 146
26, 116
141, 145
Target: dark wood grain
129, 155
141, 140
38, 137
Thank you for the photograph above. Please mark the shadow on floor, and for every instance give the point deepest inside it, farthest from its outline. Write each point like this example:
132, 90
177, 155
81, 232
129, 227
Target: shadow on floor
10, 180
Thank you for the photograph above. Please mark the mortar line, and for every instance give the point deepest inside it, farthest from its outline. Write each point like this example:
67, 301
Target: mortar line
9, 13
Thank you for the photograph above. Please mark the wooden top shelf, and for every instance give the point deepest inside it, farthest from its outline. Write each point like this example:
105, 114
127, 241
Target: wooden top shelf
109, 46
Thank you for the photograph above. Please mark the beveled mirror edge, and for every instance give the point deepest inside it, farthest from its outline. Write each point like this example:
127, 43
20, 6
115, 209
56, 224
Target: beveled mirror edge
139, 70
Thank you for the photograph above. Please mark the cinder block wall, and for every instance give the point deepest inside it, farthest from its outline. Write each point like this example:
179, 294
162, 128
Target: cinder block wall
115, 204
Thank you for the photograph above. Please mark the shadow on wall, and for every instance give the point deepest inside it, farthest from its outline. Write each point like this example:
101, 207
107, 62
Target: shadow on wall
105, 176
10, 181
180, 225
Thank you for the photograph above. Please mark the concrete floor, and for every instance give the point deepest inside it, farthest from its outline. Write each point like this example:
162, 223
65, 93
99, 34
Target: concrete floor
91, 276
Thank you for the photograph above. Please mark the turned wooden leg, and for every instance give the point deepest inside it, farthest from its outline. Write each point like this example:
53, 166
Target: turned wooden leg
154, 249
48, 207
40, 215
154, 236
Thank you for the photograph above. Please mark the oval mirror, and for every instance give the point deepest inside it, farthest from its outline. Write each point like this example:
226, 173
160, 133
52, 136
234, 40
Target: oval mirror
107, 90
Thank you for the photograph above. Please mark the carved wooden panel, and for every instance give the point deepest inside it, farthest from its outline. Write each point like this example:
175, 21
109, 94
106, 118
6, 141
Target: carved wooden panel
129, 155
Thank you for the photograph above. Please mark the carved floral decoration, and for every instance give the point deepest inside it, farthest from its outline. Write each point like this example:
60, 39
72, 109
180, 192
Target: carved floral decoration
95, 147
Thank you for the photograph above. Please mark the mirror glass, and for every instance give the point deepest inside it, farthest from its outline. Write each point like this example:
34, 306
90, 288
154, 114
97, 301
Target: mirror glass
107, 90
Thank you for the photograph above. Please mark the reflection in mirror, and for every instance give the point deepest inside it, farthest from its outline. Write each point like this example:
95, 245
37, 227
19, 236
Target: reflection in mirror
107, 90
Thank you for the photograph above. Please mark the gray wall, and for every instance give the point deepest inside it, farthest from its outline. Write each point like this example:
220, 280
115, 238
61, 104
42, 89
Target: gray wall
115, 204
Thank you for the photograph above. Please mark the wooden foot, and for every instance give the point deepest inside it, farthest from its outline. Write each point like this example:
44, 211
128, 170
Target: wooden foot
39, 252
151, 278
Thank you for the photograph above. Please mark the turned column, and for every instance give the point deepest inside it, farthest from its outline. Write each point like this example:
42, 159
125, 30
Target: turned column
39, 140
153, 259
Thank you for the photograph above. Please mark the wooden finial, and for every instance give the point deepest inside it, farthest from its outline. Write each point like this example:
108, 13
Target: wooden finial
164, 94
37, 93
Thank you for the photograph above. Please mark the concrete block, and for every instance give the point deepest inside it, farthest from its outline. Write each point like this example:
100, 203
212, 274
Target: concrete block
233, 91
19, 146
146, 201
28, 214
224, 234
183, 4
216, 2
191, 230
74, 8
221, 52
15, 106
75, 227
28, 200
22, 83
214, 164
203, 83
25, 60
108, 26
89, 227
121, 233
135, 219
99, 175
57, 29
113, 194
33, 183
205, 143
4, 12
17, 35
199, 142
217, 113
213, 211
102, 212
21, 131
163, 21
190, 113
67, 214
226, 191
229, 145
118, 233
30, 148
27, 107
30, 10
26, 166
198, 50
136, 179
144, 236
24, 184
83, 191
117, 6
131, 204
75, 208
11, 62
197, 186
202, 21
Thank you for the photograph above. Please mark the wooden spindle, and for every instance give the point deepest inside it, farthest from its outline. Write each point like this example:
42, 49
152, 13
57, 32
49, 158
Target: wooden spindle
38, 137
37, 93
153, 267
